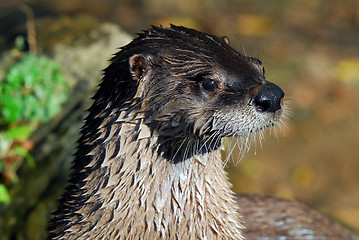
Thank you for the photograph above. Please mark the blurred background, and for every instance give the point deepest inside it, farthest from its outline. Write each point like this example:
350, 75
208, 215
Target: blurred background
52, 53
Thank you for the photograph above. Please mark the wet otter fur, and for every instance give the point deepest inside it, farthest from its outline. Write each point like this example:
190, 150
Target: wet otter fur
148, 164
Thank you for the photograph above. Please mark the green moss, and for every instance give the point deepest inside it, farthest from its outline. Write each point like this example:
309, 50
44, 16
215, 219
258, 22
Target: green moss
32, 91
4, 194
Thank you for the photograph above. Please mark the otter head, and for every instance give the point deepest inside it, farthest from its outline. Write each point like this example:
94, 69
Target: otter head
194, 89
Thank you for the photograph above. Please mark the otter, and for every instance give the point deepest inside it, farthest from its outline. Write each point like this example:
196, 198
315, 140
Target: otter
148, 163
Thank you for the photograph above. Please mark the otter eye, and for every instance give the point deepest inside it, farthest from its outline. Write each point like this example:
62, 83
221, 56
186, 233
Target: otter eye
210, 85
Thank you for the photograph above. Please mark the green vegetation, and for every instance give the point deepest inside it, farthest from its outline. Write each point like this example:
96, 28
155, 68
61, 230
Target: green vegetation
32, 92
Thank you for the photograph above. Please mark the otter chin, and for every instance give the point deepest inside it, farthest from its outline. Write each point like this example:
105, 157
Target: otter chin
148, 164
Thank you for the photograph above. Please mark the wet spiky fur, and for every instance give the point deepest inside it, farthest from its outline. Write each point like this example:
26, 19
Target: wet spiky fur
148, 164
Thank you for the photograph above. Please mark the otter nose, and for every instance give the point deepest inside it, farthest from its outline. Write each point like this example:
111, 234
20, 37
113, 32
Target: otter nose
268, 98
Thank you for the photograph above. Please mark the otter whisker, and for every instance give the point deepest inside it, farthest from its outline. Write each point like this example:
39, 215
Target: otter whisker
204, 144
240, 145
217, 141
186, 150
254, 141
229, 154
261, 137
247, 142
178, 149
283, 127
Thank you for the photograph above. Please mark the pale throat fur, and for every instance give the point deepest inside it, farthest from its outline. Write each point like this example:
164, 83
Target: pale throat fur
149, 165
150, 197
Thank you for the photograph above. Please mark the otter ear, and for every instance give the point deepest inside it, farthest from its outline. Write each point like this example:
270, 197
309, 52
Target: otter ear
226, 40
139, 65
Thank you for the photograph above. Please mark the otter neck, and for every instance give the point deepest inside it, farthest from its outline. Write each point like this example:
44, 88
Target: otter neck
145, 196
